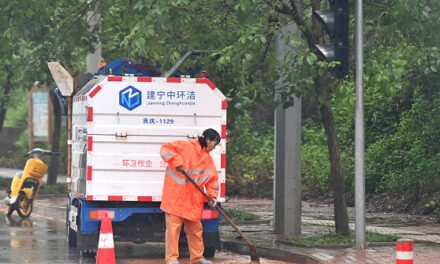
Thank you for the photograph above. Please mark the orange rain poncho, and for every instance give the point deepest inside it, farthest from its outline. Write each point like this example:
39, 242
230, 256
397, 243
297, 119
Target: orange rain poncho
180, 197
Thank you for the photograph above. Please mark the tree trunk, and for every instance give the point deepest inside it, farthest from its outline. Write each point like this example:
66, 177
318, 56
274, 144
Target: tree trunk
53, 167
340, 205
4, 99
313, 34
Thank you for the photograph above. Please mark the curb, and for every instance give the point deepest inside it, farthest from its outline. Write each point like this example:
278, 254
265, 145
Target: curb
271, 253
295, 244
248, 222
332, 246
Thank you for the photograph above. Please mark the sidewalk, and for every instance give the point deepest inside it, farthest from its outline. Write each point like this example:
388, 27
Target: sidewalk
316, 220
426, 246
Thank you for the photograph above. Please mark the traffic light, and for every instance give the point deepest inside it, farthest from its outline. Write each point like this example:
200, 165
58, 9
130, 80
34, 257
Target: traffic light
335, 23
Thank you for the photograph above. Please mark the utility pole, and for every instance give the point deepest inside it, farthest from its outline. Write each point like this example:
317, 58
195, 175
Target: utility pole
359, 134
287, 166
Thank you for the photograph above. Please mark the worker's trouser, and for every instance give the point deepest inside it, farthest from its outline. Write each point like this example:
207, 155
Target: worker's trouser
194, 235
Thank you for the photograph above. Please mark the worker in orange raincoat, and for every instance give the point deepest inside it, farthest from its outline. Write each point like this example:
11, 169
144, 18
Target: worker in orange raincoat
181, 201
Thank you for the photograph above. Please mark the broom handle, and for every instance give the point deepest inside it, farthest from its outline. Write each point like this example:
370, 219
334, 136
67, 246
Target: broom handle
218, 209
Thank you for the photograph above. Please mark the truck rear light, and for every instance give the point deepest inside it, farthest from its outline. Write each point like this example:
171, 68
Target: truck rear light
100, 214
210, 214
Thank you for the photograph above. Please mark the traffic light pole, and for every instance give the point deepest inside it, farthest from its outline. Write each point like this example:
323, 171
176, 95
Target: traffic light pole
359, 134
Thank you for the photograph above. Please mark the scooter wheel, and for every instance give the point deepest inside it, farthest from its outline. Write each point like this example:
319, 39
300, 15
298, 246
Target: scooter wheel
24, 205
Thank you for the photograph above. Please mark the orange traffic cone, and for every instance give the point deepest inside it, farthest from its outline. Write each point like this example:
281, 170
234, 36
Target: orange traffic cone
106, 248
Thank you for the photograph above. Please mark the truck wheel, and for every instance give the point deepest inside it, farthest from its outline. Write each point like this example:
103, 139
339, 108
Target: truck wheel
24, 205
209, 252
85, 253
70, 233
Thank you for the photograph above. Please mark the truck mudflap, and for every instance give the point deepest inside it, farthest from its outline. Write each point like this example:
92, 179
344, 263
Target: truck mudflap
211, 236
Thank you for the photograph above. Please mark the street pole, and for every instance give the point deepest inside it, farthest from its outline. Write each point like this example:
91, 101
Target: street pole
287, 165
93, 59
359, 135
69, 143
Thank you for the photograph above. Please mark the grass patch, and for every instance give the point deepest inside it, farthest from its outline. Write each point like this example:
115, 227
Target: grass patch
58, 188
5, 182
340, 239
240, 215
13, 161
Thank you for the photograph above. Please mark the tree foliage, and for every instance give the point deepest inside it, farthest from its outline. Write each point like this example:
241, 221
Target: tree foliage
401, 100
35, 32
402, 60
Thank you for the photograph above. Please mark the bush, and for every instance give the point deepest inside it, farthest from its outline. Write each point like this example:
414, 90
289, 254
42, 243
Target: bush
408, 161
15, 158
315, 162
58, 188
250, 159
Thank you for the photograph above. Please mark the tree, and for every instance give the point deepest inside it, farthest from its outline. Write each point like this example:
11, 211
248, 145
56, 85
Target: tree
402, 64
242, 33
35, 34
402, 73
318, 89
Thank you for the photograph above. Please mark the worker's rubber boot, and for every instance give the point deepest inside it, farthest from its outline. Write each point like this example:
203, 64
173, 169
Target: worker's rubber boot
204, 261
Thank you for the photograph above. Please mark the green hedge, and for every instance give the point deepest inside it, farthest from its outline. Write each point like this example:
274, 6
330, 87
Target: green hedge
250, 159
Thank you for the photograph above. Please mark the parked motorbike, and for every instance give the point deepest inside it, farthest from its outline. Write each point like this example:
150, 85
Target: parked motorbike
26, 184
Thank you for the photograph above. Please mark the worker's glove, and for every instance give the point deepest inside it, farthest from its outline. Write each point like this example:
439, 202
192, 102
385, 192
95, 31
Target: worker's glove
179, 168
213, 202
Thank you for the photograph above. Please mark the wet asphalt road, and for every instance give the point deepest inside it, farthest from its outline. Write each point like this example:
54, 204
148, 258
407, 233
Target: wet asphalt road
34, 240
42, 240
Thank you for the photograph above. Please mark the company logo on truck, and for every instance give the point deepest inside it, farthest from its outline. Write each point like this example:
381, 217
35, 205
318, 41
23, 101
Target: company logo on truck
171, 98
130, 98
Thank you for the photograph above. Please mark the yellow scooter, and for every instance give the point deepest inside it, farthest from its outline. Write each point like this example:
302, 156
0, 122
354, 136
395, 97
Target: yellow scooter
26, 184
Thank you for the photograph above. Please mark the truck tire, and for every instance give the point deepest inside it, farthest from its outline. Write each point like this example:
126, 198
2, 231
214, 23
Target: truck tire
209, 252
84, 252
70, 233
88, 253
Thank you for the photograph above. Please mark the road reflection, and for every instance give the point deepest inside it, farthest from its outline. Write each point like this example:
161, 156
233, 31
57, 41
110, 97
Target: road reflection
18, 222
